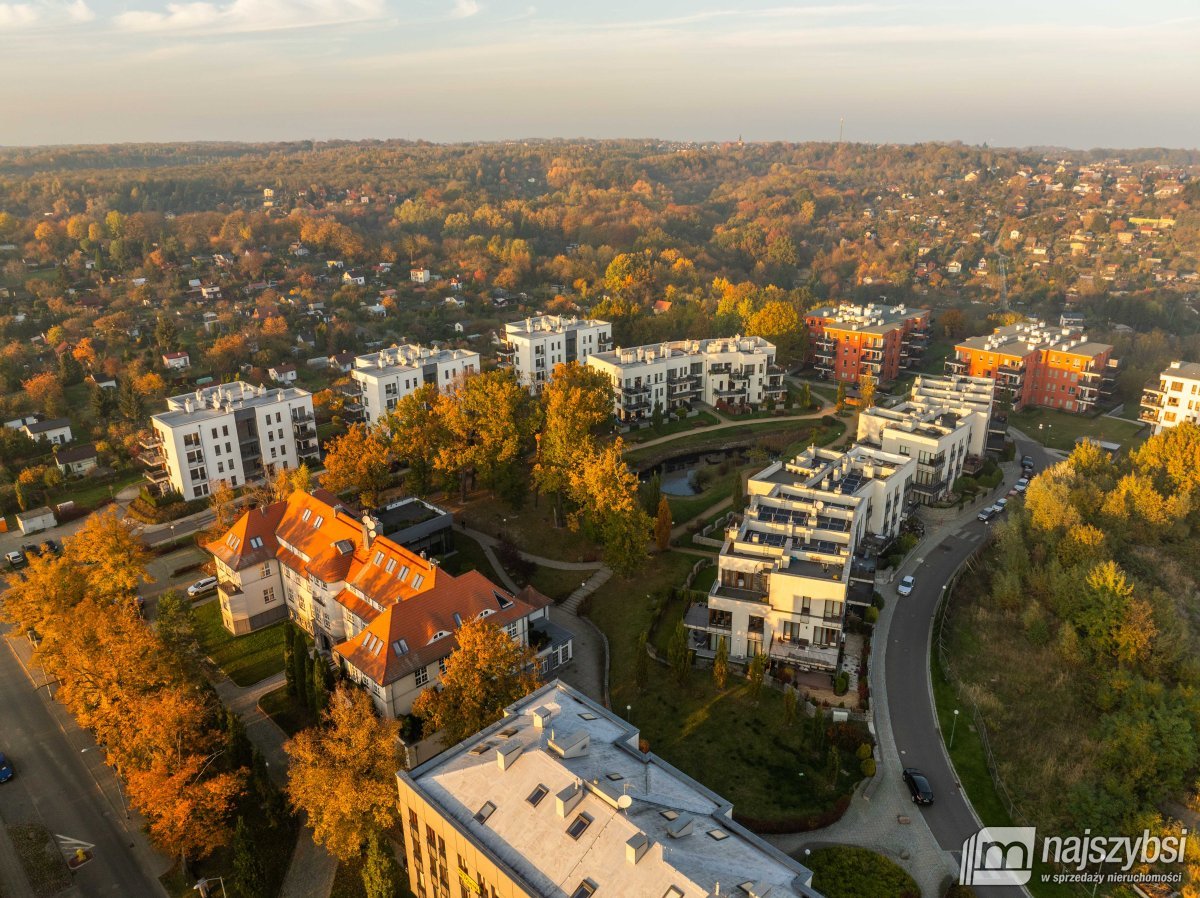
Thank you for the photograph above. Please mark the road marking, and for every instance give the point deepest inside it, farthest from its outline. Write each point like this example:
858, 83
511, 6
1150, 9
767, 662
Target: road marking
68, 843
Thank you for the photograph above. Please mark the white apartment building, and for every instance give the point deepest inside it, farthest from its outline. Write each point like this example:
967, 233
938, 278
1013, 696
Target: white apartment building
386, 614
971, 398
234, 432
385, 376
534, 346
556, 800
1174, 399
736, 370
785, 571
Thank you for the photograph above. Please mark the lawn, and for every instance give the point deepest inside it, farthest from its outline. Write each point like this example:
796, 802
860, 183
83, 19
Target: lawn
290, 715
746, 434
245, 659
556, 583
531, 527
769, 771
87, 493
845, 872
468, 556
719, 486
675, 425
1058, 429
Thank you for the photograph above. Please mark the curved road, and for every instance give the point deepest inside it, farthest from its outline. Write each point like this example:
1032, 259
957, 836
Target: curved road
906, 677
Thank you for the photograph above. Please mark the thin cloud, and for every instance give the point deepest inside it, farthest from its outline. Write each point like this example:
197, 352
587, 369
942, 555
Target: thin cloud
464, 9
18, 15
250, 15
79, 11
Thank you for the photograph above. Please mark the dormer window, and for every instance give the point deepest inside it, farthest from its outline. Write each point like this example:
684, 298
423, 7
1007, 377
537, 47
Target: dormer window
233, 542
403, 573
318, 522
378, 559
391, 565
457, 619
307, 514
256, 542
417, 581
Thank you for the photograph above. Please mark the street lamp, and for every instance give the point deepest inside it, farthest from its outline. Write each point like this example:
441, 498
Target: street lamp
953, 728
629, 712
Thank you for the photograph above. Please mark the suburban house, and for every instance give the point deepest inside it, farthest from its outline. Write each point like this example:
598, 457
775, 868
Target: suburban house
740, 371
534, 346
77, 460
419, 275
342, 361
283, 374
385, 376
1174, 398
557, 798
176, 361
52, 430
354, 277
386, 613
235, 432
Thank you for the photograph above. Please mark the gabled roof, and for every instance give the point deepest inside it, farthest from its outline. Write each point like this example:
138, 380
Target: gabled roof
251, 539
75, 453
52, 424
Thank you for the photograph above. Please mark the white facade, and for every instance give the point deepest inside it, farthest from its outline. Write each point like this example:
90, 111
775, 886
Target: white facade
1175, 399
56, 431
386, 376
233, 432
534, 346
970, 398
736, 370
785, 571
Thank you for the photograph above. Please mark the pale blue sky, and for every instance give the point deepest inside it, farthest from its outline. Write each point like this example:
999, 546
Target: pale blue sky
1065, 72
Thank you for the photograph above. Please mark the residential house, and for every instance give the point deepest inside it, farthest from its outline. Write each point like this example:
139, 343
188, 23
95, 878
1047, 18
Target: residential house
385, 376
176, 361
1174, 398
76, 460
387, 614
53, 430
533, 347
557, 799
342, 361
283, 374
848, 341
354, 277
419, 275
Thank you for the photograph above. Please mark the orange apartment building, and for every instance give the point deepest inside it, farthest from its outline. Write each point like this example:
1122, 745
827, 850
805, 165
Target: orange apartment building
847, 341
1035, 364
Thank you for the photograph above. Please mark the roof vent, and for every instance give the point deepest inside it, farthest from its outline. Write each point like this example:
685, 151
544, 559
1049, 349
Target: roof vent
635, 847
680, 827
570, 745
506, 755
566, 799
541, 717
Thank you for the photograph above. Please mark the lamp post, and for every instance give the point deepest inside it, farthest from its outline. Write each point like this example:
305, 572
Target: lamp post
629, 712
953, 728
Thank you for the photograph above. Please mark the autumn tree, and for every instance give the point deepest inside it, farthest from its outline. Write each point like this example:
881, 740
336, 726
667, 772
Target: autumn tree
840, 401
223, 504
228, 353
662, 525
778, 322
46, 393
486, 673
113, 558
866, 391
360, 462
606, 492
343, 774
576, 402
417, 436
380, 873
175, 623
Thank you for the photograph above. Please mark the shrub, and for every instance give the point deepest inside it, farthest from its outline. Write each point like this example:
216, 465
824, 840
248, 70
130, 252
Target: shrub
960, 891
864, 751
878, 600
844, 872
867, 767
872, 615
842, 684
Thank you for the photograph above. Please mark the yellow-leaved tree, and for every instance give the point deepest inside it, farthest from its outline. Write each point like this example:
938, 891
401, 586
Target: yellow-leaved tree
606, 493
575, 403
417, 435
484, 675
343, 774
360, 462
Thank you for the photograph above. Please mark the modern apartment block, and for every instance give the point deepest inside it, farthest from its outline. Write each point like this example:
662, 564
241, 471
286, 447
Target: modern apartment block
534, 346
945, 422
556, 800
384, 377
235, 432
786, 571
387, 614
1174, 399
848, 341
1036, 364
740, 371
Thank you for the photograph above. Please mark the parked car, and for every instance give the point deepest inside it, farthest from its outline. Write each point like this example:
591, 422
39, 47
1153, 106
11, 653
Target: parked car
52, 545
1021, 485
6, 769
15, 558
1001, 504
1026, 461
201, 586
918, 786
31, 549
988, 513
906, 585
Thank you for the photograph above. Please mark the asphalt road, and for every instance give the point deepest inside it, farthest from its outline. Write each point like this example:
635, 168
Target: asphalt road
914, 722
58, 780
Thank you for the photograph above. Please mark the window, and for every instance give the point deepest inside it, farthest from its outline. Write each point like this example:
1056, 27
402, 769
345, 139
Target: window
266, 569
579, 826
268, 595
536, 796
422, 676
403, 573
484, 812
257, 543
586, 889
674, 892
320, 519
441, 665
378, 559
233, 541
391, 565
417, 581
307, 514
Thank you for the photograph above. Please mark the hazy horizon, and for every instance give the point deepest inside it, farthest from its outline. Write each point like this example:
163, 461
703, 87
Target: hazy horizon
1063, 75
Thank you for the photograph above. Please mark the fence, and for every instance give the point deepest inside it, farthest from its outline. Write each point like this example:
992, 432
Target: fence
702, 538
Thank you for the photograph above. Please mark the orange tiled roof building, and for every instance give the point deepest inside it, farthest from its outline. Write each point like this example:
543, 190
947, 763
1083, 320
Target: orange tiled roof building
386, 614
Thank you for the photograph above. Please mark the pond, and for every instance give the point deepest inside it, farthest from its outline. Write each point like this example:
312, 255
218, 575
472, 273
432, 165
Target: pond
677, 476
679, 483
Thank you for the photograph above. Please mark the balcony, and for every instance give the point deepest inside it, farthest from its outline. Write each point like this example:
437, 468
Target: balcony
1152, 397
956, 366
873, 367
821, 657
637, 389
873, 355
229, 588
722, 368
732, 393
932, 490
150, 442
738, 594
1149, 415
936, 461
153, 459
825, 342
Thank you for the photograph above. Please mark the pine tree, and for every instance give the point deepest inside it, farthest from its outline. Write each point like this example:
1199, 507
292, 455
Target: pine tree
379, 872
756, 673
679, 655
238, 747
289, 650
657, 417
102, 403
300, 663
166, 335
739, 495
789, 706
833, 766
721, 664
805, 397
662, 525
130, 401
310, 692
641, 667
249, 879
320, 686
69, 369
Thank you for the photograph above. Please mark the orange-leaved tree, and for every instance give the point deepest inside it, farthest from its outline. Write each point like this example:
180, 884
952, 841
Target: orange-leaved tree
343, 774
360, 462
486, 673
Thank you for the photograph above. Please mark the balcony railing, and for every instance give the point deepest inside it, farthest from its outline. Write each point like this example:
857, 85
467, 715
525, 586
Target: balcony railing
150, 442
936, 461
229, 588
738, 594
955, 366
810, 655
1149, 415
934, 488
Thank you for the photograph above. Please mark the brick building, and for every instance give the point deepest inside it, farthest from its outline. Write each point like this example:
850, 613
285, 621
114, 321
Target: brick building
846, 341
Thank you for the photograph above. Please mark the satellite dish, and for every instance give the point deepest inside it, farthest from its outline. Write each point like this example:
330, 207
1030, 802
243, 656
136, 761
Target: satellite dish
624, 802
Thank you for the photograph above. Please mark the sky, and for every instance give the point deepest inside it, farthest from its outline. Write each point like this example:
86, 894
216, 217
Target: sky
1073, 73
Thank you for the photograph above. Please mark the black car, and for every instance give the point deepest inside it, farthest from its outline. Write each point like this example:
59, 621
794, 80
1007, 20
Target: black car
52, 545
31, 549
918, 786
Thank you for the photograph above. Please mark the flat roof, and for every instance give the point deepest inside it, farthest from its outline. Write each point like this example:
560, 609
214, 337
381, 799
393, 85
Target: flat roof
588, 762
1029, 336
1189, 370
221, 399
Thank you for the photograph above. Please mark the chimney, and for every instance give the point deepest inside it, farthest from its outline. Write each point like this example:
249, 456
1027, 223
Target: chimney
567, 798
541, 717
369, 528
506, 755
635, 847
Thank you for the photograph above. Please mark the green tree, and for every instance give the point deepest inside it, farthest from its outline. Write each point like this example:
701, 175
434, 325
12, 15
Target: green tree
300, 669
662, 525
238, 747
789, 706
641, 663
249, 879
380, 874
175, 621
739, 495
166, 334
69, 370
840, 402
318, 693
289, 657
103, 404
720, 669
130, 402
756, 674
656, 418
679, 655
806, 399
